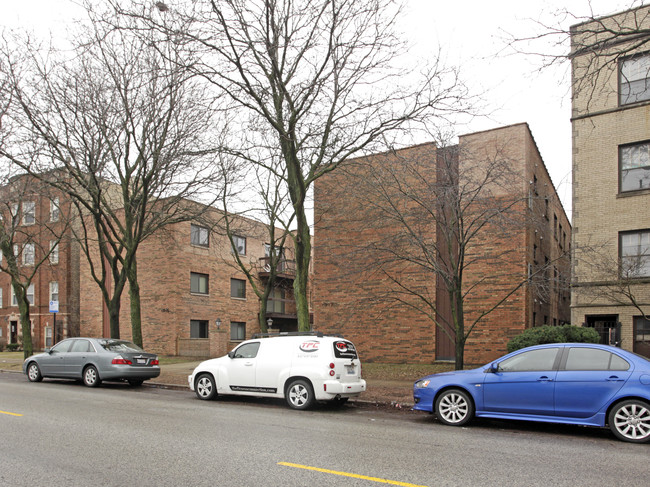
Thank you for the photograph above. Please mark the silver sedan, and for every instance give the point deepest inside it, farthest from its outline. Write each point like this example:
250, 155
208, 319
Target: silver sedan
93, 360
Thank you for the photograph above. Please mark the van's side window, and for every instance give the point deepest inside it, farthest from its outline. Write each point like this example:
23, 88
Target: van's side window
248, 350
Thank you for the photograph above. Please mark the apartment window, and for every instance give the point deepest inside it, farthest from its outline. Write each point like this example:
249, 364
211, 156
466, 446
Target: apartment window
634, 164
55, 213
54, 291
237, 288
555, 226
28, 254
237, 331
635, 254
30, 296
560, 233
0, 297
546, 208
199, 236
198, 328
198, 283
239, 244
634, 79
54, 252
29, 213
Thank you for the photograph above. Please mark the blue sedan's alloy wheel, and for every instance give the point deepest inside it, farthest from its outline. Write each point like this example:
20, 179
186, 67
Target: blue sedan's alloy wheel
454, 407
630, 421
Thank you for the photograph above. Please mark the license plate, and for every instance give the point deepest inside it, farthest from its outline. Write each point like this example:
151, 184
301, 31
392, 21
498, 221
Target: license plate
142, 361
351, 369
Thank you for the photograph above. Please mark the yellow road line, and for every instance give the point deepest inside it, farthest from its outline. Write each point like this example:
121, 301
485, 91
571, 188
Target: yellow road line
10, 414
353, 475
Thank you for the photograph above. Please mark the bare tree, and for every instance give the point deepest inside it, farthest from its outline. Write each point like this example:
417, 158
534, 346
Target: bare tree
314, 82
127, 129
610, 278
443, 228
596, 42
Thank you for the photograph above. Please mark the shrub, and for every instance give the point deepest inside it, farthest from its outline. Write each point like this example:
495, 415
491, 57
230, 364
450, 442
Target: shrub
553, 334
12, 347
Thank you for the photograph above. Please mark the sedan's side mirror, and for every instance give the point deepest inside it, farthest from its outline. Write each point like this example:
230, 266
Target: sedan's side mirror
231, 354
48, 350
493, 368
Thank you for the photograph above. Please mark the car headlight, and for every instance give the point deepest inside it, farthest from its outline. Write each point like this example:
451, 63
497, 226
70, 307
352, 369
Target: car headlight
421, 384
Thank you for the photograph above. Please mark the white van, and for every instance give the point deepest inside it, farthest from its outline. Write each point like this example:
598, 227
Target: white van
301, 367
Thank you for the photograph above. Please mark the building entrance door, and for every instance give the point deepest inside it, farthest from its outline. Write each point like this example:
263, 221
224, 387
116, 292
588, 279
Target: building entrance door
607, 326
13, 332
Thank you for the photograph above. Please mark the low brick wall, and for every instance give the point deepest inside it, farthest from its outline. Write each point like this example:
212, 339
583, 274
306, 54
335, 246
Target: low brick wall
193, 347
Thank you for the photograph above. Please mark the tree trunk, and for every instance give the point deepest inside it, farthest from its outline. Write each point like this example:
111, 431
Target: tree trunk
458, 316
136, 309
25, 322
301, 283
114, 316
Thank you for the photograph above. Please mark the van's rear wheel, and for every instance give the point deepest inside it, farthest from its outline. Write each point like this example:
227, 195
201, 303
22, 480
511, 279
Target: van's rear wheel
300, 394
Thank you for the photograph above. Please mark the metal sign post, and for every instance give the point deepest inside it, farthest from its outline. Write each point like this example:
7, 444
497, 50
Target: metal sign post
54, 308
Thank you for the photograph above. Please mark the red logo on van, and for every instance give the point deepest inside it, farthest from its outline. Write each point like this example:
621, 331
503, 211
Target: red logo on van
310, 346
342, 346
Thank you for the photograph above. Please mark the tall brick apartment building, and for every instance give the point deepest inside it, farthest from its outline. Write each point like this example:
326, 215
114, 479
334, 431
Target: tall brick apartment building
611, 177
41, 217
195, 301
521, 258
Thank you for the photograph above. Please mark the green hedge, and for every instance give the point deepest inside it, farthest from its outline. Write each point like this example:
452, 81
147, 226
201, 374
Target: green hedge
553, 334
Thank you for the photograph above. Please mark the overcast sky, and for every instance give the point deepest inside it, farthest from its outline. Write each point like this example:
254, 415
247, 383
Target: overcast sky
471, 34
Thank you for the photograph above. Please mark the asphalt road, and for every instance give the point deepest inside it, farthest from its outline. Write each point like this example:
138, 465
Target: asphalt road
59, 433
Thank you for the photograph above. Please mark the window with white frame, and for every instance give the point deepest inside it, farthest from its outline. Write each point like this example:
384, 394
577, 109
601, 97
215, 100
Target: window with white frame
54, 252
634, 79
239, 244
54, 291
634, 164
28, 254
29, 213
55, 212
635, 254
30, 296
1, 297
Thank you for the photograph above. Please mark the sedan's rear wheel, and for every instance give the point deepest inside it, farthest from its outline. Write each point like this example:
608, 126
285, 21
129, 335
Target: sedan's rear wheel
630, 421
300, 395
205, 387
454, 407
34, 372
91, 376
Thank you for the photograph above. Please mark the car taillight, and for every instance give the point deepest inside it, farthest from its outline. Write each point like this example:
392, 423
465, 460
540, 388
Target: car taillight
332, 373
155, 362
119, 360
331, 365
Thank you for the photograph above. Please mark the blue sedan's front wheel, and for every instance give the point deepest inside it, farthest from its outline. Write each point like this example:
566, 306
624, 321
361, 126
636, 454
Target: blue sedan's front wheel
454, 407
630, 421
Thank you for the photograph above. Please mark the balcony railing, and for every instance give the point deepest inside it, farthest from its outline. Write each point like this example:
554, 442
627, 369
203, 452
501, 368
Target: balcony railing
284, 267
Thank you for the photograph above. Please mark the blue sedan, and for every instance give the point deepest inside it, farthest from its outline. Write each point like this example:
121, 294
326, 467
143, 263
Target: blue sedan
572, 383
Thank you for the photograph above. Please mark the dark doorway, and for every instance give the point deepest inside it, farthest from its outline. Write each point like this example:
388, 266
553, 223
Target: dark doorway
13, 332
607, 326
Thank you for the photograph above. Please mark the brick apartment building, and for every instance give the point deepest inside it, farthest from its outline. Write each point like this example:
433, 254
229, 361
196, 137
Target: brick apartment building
526, 264
41, 217
611, 182
195, 301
